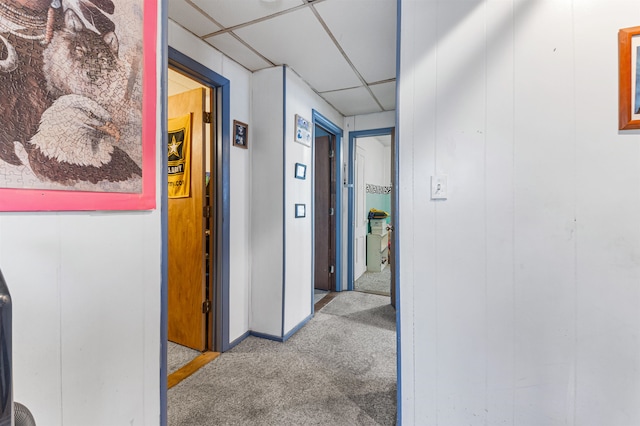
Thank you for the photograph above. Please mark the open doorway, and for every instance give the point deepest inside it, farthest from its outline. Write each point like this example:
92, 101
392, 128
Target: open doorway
327, 208
371, 212
204, 297
324, 210
372, 218
191, 229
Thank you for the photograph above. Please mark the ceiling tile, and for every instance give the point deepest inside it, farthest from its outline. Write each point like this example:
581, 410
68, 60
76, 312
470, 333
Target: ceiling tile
234, 12
297, 39
366, 31
178, 83
184, 14
352, 101
237, 51
386, 94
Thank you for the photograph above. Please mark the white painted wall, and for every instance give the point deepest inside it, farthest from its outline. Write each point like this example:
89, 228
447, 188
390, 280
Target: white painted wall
300, 100
282, 245
377, 120
239, 168
267, 197
516, 101
86, 311
240, 203
378, 160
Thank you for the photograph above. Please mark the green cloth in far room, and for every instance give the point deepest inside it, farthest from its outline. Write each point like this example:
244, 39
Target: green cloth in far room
380, 202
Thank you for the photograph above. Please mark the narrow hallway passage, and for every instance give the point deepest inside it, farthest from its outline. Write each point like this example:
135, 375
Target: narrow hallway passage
340, 369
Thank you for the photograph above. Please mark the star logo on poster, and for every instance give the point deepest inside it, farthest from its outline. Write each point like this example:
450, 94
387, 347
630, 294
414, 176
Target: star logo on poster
175, 149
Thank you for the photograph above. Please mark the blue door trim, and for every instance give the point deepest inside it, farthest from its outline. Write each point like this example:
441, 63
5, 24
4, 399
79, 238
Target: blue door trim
326, 124
351, 195
164, 217
210, 78
396, 222
284, 195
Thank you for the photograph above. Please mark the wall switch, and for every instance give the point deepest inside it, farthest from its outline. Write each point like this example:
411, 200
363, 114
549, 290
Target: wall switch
438, 187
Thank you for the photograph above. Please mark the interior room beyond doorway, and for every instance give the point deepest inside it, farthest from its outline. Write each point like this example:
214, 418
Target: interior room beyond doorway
190, 232
372, 214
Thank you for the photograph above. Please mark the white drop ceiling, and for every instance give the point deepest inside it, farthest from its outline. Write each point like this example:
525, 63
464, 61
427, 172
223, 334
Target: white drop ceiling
344, 49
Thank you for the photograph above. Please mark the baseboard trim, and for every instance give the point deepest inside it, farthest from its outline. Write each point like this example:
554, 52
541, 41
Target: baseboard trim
297, 327
271, 336
266, 336
238, 340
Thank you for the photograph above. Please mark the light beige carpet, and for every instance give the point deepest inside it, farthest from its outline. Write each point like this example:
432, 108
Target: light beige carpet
178, 356
376, 282
339, 369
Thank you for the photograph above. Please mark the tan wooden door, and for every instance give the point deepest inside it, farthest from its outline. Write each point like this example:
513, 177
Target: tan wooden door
186, 250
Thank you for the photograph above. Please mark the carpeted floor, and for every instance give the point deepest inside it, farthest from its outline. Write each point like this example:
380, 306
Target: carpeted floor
178, 356
376, 282
339, 369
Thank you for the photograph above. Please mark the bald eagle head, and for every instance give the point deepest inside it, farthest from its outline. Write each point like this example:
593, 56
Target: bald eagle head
75, 142
76, 130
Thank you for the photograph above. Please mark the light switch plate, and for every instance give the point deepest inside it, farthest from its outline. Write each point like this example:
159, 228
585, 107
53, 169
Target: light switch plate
439, 187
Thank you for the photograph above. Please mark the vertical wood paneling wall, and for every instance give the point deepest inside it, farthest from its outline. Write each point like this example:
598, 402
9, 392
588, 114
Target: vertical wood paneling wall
520, 293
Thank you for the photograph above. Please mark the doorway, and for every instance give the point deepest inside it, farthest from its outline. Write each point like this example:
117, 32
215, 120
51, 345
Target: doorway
212, 238
327, 193
371, 216
190, 223
324, 211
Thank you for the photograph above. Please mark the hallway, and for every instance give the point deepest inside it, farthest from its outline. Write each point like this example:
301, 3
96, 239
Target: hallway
340, 369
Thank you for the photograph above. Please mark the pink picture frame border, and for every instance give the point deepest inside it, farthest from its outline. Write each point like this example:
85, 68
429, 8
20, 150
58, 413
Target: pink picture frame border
15, 200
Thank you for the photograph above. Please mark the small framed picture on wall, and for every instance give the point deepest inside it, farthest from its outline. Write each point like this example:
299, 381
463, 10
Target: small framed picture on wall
300, 210
240, 134
303, 131
301, 171
629, 78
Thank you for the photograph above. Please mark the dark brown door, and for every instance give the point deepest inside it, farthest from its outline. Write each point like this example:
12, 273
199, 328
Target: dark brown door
324, 213
186, 241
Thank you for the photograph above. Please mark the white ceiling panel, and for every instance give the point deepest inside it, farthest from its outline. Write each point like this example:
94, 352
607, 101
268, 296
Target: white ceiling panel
366, 31
288, 32
234, 12
184, 14
352, 101
179, 83
298, 40
237, 51
386, 94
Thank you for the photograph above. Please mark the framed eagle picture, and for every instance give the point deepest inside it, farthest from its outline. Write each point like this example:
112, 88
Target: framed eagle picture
78, 118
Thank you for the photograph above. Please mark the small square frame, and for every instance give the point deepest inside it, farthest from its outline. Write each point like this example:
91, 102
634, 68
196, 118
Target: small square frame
302, 131
628, 60
240, 134
301, 171
300, 210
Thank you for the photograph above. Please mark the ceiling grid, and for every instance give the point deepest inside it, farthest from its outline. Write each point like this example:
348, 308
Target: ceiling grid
343, 49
